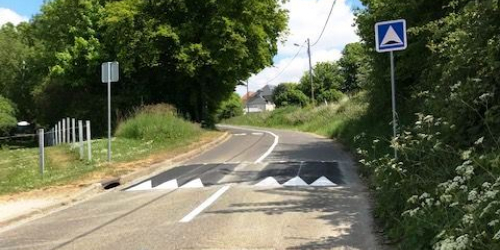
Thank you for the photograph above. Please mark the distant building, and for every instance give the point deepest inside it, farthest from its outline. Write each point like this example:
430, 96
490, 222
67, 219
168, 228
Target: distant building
260, 101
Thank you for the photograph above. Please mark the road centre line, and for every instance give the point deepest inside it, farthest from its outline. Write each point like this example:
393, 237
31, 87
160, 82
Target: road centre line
205, 204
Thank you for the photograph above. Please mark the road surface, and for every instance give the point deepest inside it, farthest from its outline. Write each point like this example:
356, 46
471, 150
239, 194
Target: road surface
267, 189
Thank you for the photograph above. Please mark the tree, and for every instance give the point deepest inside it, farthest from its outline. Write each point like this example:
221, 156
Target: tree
230, 108
326, 77
15, 80
7, 115
196, 54
354, 67
286, 94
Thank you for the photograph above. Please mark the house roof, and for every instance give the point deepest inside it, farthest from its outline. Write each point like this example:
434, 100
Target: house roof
247, 96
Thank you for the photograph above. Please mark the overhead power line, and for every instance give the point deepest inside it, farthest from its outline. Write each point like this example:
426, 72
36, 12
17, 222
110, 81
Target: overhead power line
289, 63
326, 23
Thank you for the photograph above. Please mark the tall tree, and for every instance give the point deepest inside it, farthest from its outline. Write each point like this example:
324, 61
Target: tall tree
327, 77
354, 67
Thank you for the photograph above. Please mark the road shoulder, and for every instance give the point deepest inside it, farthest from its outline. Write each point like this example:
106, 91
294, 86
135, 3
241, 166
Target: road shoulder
16, 209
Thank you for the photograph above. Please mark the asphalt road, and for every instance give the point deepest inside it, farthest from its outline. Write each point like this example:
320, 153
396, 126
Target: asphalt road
259, 190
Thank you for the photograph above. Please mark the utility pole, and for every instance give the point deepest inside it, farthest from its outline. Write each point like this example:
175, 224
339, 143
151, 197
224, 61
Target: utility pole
310, 69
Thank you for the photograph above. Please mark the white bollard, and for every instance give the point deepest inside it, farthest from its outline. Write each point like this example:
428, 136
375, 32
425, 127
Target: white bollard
56, 137
73, 129
59, 139
68, 126
63, 131
80, 134
89, 142
41, 145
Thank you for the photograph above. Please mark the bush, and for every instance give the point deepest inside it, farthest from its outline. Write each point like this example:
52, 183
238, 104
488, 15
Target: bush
230, 108
157, 123
7, 116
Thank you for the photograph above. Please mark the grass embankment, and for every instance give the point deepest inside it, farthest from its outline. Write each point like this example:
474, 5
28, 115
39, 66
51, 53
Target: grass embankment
150, 135
340, 120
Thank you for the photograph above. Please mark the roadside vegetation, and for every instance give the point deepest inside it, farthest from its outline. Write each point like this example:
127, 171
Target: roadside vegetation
443, 190
151, 131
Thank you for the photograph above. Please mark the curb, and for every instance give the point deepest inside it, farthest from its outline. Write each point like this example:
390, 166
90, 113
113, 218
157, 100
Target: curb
96, 188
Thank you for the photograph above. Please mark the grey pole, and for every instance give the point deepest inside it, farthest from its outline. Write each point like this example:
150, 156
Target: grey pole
41, 144
393, 86
109, 111
248, 99
310, 69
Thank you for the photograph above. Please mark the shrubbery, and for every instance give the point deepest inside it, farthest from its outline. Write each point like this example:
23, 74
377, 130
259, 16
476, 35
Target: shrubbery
8, 119
157, 123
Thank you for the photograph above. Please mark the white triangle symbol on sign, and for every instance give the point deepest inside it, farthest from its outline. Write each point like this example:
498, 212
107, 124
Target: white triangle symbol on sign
391, 37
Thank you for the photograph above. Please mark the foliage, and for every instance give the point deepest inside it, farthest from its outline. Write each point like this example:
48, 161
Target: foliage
8, 119
230, 108
188, 53
156, 123
286, 94
327, 120
442, 191
354, 67
326, 77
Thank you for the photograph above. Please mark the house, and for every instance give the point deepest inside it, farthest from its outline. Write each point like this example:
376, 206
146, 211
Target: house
260, 101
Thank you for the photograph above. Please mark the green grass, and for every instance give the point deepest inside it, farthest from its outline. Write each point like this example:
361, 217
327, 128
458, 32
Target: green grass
329, 120
150, 131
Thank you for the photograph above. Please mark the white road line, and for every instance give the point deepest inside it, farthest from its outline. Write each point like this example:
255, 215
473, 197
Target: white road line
242, 134
205, 204
270, 150
257, 133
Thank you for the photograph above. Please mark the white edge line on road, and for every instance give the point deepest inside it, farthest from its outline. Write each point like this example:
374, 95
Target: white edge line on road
268, 152
205, 204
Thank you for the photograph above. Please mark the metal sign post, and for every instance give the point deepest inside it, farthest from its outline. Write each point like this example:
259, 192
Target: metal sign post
110, 73
390, 36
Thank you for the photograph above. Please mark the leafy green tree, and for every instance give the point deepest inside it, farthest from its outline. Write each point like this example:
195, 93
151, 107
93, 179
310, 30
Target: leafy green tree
286, 94
196, 54
15, 81
230, 108
7, 115
354, 67
326, 76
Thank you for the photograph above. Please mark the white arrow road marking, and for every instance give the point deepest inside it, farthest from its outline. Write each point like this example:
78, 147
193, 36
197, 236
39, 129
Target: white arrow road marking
268, 182
296, 181
204, 205
143, 186
196, 183
172, 184
323, 182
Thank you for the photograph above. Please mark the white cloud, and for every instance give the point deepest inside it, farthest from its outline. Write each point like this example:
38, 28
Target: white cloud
307, 18
9, 16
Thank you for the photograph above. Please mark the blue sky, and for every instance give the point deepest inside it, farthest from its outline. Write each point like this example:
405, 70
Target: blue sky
26, 8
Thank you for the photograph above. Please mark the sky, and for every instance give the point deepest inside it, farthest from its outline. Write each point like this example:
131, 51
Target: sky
307, 18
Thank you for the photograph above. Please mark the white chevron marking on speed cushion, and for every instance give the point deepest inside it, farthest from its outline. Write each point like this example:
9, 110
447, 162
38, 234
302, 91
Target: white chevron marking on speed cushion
296, 181
172, 184
323, 182
143, 186
196, 183
268, 182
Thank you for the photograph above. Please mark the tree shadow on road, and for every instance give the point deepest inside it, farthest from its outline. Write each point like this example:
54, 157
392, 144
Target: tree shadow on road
344, 209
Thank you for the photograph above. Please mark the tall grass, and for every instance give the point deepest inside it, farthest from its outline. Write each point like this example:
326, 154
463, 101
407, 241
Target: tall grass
157, 123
